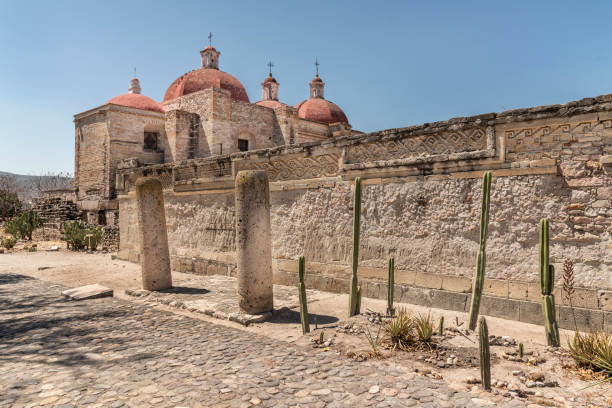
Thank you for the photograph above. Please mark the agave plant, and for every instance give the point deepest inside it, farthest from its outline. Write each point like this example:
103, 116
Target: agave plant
593, 350
400, 330
424, 327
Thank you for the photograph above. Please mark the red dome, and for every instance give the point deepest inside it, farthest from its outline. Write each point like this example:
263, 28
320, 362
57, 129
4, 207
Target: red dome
269, 103
320, 110
205, 78
138, 101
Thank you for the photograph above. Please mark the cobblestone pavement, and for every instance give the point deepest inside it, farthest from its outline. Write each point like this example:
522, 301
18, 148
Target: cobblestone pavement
113, 353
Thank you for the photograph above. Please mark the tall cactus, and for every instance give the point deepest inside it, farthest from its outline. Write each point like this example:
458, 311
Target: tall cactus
355, 291
481, 259
390, 285
303, 302
485, 354
547, 281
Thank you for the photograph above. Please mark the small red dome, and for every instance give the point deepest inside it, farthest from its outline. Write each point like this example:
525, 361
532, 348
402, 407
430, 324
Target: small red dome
205, 78
138, 101
269, 103
320, 110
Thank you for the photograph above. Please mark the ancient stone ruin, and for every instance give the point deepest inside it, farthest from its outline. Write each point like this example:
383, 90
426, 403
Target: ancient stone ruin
421, 205
155, 259
253, 242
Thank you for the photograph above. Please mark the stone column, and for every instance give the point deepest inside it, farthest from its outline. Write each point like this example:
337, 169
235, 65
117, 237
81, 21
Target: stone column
154, 254
253, 242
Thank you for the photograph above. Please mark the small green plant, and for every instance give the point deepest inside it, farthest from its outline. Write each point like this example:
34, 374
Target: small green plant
321, 336
79, 236
547, 281
374, 341
441, 326
23, 226
424, 327
521, 350
94, 237
485, 354
481, 259
400, 330
355, 290
9, 242
302, 296
390, 287
593, 350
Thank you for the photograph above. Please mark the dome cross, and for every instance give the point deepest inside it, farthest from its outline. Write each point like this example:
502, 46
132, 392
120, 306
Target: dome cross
270, 65
210, 36
317, 66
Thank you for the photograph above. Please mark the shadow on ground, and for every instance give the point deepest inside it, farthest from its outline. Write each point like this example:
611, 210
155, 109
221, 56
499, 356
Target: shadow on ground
293, 316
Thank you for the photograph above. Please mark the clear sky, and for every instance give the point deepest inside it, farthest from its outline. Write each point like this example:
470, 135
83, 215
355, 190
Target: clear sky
387, 64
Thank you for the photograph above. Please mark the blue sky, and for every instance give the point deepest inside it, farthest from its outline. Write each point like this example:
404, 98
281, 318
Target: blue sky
387, 64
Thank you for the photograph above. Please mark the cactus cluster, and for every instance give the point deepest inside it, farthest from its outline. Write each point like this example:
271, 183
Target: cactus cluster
355, 290
441, 326
478, 282
547, 280
302, 293
390, 285
485, 354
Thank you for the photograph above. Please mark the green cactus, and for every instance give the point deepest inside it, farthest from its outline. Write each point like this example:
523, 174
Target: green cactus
390, 285
485, 354
302, 292
547, 281
355, 290
441, 326
521, 350
481, 259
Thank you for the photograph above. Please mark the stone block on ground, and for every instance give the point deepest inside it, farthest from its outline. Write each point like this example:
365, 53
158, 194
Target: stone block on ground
88, 292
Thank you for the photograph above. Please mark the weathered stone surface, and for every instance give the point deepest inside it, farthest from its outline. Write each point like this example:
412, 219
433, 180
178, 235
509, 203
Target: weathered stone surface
253, 242
88, 292
155, 258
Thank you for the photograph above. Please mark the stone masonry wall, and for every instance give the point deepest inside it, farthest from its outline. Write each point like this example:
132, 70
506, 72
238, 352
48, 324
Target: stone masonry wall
421, 204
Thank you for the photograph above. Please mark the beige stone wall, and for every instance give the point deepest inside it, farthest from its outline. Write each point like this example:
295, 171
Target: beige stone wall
222, 122
421, 204
91, 151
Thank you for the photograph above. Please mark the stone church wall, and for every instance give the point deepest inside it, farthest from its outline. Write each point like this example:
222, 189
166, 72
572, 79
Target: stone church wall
421, 205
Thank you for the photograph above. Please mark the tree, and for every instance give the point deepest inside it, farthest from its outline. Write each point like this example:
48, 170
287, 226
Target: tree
10, 204
50, 181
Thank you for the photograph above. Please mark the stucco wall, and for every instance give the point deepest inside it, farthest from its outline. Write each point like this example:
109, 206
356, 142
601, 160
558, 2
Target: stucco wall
421, 205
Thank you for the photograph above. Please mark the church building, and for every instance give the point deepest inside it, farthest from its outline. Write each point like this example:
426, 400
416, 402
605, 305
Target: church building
205, 112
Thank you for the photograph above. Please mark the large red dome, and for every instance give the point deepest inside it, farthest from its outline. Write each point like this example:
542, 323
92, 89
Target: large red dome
320, 110
138, 101
205, 78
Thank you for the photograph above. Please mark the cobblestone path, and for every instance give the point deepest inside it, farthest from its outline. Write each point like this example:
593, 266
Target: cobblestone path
113, 353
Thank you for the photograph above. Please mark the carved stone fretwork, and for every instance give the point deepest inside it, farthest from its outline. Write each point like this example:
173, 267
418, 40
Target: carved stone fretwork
548, 141
409, 147
324, 165
216, 168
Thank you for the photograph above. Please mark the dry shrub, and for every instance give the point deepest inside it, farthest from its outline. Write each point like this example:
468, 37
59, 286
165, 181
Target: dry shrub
593, 350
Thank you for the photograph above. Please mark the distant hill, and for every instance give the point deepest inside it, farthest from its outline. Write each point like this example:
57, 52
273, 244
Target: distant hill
30, 186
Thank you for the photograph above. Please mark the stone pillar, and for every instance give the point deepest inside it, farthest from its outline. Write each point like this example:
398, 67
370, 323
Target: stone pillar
154, 254
253, 242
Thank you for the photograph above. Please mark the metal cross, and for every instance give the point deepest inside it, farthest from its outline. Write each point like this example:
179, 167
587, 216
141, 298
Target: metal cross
317, 65
270, 65
134, 72
210, 36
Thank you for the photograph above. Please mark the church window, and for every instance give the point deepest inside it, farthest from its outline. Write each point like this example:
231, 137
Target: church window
150, 140
243, 145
